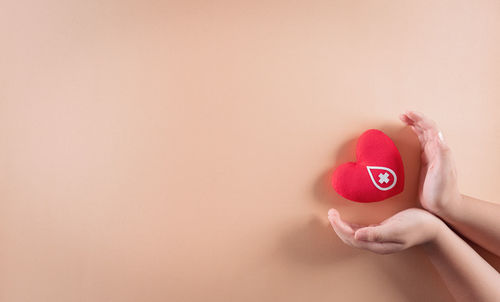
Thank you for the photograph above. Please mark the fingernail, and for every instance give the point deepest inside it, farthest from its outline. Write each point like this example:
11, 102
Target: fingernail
440, 135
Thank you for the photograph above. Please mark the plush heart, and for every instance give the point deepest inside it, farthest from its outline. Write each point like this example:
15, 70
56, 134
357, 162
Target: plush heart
376, 175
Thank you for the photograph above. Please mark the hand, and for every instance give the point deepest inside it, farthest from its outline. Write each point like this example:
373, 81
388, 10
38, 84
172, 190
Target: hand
401, 231
438, 188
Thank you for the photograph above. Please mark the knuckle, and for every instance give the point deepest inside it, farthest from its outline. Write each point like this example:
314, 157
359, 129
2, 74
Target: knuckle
375, 236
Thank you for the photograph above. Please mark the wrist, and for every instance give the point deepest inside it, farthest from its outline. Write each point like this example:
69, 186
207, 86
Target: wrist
451, 208
439, 234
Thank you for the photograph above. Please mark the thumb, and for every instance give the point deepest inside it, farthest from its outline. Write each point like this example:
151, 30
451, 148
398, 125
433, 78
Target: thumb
373, 233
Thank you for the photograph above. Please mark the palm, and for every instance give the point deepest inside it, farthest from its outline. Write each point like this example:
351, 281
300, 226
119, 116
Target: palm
400, 231
430, 175
438, 183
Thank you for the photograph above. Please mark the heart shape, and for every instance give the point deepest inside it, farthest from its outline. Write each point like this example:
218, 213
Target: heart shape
376, 175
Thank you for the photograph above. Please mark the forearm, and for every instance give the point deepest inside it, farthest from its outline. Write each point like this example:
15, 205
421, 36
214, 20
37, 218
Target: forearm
476, 219
468, 276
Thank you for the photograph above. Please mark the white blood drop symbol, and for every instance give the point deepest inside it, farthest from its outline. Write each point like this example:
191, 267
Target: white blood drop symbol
383, 178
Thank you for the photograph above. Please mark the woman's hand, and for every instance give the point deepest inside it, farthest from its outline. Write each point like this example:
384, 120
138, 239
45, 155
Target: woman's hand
438, 188
401, 231
468, 276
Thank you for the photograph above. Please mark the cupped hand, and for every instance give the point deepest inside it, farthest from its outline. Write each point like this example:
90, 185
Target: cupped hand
438, 187
405, 229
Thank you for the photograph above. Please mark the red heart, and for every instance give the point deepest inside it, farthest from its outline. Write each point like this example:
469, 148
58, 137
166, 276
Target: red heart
376, 175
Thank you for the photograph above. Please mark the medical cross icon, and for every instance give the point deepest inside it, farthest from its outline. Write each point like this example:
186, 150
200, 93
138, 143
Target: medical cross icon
383, 177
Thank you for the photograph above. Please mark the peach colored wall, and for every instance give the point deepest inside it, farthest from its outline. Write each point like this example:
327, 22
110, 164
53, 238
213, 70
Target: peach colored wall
179, 150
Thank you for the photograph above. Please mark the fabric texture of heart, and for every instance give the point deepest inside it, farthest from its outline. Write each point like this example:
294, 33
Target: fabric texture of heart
376, 175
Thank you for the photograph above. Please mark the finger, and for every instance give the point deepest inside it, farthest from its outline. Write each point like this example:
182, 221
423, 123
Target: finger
345, 237
428, 133
380, 233
420, 126
423, 122
440, 136
332, 212
420, 135
441, 142
418, 118
353, 226
339, 224
406, 119
348, 237
344, 231
381, 247
436, 148
419, 132
346, 234
369, 234
343, 226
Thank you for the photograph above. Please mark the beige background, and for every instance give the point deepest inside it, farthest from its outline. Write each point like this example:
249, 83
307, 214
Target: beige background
180, 150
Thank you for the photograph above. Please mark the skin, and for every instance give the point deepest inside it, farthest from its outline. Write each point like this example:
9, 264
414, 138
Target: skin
439, 193
468, 276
